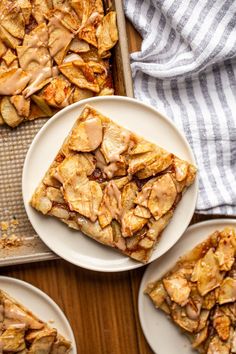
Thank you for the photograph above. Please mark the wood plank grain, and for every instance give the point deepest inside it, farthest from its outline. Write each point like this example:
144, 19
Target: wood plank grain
134, 38
98, 305
135, 278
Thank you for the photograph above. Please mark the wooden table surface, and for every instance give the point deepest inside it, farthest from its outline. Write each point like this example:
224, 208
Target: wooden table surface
101, 308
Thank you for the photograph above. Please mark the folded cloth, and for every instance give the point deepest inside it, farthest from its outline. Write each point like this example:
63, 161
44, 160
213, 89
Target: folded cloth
187, 69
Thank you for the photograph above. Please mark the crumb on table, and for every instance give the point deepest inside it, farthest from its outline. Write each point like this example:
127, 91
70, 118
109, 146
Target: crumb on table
4, 225
9, 241
14, 223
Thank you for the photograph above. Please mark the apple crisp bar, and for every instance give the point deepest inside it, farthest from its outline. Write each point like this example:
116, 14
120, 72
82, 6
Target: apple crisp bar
199, 294
113, 185
52, 53
22, 332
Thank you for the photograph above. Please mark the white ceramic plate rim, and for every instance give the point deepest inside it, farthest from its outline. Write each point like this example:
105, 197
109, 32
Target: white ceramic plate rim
144, 281
90, 101
34, 290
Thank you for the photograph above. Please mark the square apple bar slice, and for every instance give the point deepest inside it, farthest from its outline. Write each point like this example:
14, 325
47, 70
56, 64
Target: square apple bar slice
113, 185
199, 294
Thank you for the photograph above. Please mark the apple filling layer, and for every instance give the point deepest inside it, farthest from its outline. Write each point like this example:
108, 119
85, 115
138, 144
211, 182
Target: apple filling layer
199, 294
22, 332
52, 53
113, 185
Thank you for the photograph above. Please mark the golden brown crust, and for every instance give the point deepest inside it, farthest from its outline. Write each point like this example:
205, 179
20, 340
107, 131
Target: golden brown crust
100, 192
21, 330
52, 54
199, 293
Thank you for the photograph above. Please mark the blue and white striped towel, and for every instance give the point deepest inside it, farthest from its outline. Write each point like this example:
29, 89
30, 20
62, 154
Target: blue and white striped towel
187, 69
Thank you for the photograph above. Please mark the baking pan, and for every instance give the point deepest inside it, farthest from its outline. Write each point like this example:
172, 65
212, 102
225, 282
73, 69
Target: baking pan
24, 245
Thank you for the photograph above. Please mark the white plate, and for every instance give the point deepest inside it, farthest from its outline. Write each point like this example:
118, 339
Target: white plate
74, 246
162, 335
40, 304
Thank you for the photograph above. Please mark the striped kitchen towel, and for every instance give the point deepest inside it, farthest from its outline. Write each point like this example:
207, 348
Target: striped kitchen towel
187, 69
